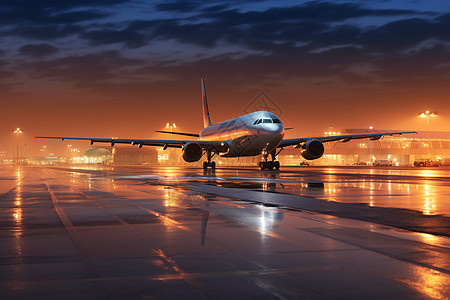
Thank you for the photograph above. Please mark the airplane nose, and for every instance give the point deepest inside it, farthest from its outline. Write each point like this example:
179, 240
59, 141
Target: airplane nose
274, 128
280, 128
274, 134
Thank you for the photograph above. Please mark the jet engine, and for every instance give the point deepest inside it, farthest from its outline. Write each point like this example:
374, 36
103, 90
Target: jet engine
312, 149
192, 151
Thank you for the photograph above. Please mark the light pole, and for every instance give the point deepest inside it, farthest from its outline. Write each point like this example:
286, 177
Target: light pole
428, 114
17, 131
43, 150
370, 141
171, 126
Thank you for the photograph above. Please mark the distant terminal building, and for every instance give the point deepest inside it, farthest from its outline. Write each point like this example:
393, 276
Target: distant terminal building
121, 155
402, 150
3, 158
135, 156
98, 155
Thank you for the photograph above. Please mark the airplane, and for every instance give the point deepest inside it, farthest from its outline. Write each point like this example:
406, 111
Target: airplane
256, 133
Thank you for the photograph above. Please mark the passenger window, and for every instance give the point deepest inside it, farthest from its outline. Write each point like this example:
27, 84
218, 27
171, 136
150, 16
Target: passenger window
267, 120
256, 122
276, 120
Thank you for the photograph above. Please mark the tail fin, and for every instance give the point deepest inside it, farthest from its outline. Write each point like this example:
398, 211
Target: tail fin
206, 119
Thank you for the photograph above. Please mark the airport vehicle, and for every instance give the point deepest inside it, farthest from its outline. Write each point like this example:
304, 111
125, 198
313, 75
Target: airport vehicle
256, 133
427, 163
383, 163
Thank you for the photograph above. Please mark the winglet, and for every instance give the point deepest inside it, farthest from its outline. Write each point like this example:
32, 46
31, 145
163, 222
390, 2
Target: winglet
206, 119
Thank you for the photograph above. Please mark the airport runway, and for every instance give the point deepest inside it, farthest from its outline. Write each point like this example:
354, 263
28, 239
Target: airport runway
175, 232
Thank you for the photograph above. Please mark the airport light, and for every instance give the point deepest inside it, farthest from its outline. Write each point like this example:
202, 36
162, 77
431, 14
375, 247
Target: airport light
327, 133
44, 148
171, 126
427, 114
17, 131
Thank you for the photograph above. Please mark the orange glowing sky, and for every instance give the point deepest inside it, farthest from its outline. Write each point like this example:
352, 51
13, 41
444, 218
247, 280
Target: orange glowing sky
92, 69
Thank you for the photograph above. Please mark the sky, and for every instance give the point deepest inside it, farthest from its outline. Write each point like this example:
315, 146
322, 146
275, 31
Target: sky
124, 68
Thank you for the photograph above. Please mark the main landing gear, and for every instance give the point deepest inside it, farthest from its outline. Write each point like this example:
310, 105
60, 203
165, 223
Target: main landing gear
270, 165
209, 163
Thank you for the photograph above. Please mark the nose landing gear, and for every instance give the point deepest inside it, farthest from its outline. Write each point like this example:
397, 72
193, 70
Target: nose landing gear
270, 165
209, 163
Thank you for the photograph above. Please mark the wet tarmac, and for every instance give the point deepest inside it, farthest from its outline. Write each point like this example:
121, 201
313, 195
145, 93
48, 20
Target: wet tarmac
176, 232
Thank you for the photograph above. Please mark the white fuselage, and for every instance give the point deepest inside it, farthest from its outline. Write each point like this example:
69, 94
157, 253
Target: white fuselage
247, 135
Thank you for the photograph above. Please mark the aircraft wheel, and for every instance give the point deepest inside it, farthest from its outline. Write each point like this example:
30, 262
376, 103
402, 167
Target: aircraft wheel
205, 165
262, 165
213, 165
277, 165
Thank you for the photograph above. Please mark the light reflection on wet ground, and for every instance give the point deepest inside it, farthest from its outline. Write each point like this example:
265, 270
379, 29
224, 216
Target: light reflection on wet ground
135, 232
424, 190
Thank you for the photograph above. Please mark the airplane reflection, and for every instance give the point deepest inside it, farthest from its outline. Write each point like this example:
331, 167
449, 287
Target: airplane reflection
265, 219
211, 172
205, 217
269, 219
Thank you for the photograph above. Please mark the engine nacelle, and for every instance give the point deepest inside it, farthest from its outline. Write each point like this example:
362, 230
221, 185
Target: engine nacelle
312, 149
192, 151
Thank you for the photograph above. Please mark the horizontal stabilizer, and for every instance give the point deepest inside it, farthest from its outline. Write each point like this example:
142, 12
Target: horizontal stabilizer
179, 133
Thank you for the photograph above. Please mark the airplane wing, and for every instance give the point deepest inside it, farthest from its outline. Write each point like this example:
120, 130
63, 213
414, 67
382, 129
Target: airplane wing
342, 138
179, 133
141, 142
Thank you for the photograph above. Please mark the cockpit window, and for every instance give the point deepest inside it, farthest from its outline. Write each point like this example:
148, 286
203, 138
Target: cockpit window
259, 121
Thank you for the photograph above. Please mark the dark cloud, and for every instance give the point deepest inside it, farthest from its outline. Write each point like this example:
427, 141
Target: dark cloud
38, 50
51, 12
82, 70
129, 38
180, 6
426, 63
76, 16
52, 4
214, 8
312, 39
403, 34
308, 23
317, 11
44, 32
